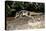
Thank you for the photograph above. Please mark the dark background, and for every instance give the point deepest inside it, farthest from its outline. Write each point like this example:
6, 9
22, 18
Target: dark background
11, 7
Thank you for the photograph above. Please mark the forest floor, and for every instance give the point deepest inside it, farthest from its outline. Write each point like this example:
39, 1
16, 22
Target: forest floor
22, 23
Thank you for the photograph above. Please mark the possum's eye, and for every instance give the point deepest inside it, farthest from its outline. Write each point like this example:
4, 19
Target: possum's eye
17, 14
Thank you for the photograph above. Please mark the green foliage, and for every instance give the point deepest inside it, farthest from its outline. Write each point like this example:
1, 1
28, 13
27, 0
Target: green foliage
11, 7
